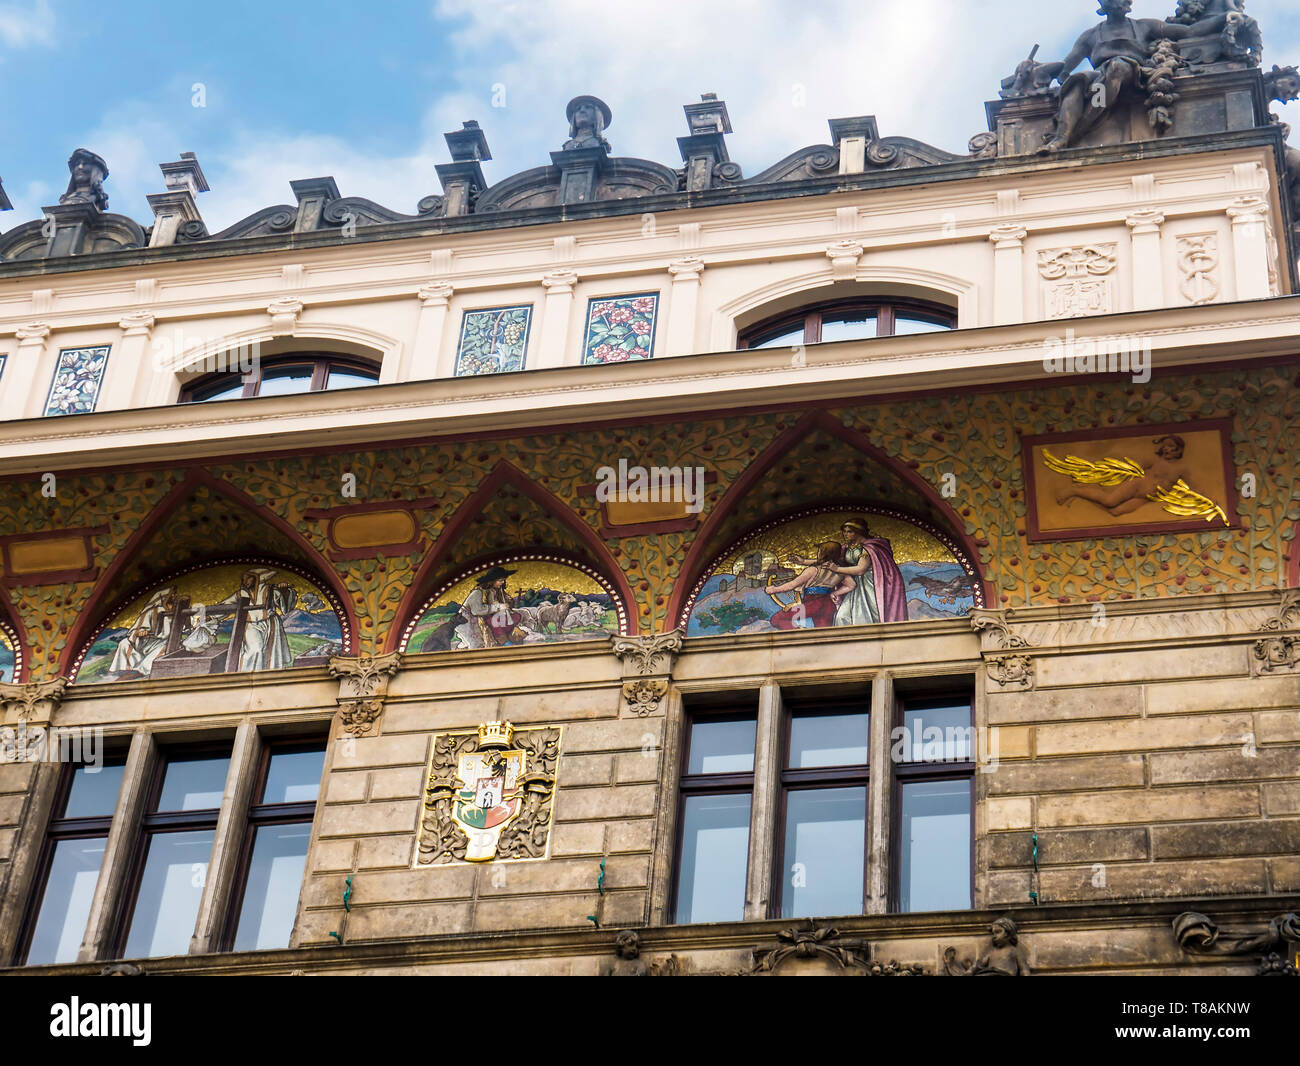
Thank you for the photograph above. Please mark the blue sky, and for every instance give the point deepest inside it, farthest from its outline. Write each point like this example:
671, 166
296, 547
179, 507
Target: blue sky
364, 91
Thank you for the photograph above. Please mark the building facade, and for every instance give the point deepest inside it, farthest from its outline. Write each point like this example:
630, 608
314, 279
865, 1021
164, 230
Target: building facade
881, 564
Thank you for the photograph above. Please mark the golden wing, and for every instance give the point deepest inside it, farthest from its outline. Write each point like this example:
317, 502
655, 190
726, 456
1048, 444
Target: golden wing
1107, 472
1183, 500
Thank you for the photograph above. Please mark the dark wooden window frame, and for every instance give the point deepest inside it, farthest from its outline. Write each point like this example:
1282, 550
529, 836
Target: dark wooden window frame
59, 829
908, 772
321, 362
265, 814
153, 823
810, 317
815, 778
689, 785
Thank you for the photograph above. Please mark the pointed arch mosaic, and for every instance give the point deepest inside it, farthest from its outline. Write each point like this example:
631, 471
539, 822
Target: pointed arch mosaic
835, 565
517, 599
234, 615
11, 654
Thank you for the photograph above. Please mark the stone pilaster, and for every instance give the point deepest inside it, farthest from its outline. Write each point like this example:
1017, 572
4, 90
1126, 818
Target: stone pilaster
428, 358
130, 368
1249, 216
1148, 263
685, 303
1008, 273
553, 349
18, 383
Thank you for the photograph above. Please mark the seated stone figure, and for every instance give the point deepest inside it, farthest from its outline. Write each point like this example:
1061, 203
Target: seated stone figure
1238, 40
1118, 49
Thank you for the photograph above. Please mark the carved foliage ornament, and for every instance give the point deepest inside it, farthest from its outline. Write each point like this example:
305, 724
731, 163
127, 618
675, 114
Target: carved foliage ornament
647, 664
488, 795
648, 654
363, 683
34, 702
808, 942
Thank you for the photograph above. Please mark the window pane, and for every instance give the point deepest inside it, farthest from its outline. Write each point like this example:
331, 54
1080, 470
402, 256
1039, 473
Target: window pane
170, 889
905, 325
938, 734
286, 380
344, 378
780, 340
194, 784
274, 881
935, 847
94, 791
715, 859
65, 907
721, 747
825, 851
828, 740
294, 776
849, 327
226, 390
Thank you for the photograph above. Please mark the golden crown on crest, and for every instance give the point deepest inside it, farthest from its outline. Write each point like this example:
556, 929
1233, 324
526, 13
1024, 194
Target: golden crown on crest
495, 735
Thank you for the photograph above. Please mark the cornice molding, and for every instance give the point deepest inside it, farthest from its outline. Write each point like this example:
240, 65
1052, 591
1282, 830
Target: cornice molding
988, 357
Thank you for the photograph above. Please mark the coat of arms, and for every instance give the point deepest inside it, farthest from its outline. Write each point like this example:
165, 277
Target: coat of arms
488, 795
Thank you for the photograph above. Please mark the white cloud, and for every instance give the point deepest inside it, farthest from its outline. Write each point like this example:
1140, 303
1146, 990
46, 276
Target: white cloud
26, 24
784, 71
924, 68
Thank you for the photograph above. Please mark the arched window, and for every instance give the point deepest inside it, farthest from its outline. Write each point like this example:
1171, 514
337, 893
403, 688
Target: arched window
847, 320
285, 375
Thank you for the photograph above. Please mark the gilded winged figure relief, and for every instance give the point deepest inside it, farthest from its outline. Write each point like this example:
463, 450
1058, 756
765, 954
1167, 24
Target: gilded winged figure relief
1121, 486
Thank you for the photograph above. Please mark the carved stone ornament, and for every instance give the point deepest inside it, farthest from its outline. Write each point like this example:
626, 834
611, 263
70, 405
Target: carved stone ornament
647, 669
1005, 959
284, 313
488, 795
1198, 262
363, 683
1280, 649
1006, 653
983, 146
644, 695
809, 950
648, 655
1277, 946
845, 256
35, 702
1076, 281
628, 961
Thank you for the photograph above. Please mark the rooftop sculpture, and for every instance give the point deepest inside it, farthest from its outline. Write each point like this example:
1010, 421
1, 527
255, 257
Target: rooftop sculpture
1194, 74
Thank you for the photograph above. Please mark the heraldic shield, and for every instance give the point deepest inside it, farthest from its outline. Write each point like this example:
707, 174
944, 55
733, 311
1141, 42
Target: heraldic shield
490, 798
489, 795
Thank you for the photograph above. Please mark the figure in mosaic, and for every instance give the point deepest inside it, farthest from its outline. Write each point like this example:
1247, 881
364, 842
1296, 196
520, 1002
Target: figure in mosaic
220, 619
878, 592
831, 569
531, 602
